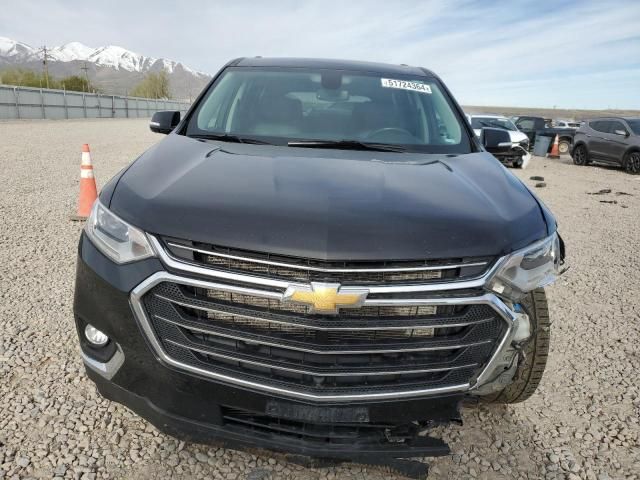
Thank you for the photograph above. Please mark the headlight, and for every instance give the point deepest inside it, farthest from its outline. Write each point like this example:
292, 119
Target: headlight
121, 242
532, 267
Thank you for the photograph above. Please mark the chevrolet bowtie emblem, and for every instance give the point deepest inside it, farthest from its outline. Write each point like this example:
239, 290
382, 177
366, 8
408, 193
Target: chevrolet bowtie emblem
326, 298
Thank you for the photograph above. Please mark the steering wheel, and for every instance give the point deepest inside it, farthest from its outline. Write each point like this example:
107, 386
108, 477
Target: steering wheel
394, 131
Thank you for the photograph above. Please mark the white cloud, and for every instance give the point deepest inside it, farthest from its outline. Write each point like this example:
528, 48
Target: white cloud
580, 54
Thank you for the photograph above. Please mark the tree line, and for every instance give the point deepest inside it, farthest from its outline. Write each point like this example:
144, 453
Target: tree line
28, 78
153, 85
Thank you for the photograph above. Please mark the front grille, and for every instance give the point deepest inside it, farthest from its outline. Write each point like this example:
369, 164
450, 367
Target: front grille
331, 433
372, 349
306, 270
337, 432
270, 304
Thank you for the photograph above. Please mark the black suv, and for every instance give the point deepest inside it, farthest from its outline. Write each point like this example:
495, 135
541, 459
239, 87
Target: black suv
320, 258
534, 127
611, 141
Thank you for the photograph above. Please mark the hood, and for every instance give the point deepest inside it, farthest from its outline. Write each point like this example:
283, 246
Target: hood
328, 204
517, 136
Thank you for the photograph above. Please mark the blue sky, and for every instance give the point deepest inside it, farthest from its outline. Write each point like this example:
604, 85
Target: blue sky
568, 54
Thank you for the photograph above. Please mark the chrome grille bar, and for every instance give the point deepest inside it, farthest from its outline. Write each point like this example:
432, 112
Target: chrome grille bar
327, 270
311, 326
319, 372
205, 272
290, 345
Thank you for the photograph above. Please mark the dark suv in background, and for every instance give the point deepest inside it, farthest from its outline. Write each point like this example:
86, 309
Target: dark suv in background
611, 141
535, 127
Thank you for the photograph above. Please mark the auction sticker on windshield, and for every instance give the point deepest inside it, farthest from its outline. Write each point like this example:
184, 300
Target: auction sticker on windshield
405, 85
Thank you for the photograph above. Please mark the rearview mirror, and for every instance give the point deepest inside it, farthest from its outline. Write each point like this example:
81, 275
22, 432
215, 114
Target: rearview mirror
332, 95
495, 140
164, 122
624, 133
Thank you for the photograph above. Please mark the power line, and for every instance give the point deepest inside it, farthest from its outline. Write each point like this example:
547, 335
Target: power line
86, 74
45, 64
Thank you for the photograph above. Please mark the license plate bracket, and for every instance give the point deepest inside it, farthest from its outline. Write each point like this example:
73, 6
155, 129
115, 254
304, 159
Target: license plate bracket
313, 414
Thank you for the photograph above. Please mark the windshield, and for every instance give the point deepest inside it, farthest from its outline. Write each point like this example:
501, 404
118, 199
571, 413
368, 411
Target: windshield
282, 106
492, 122
635, 125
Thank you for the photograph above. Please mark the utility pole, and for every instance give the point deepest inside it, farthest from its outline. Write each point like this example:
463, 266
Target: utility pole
86, 74
45, 65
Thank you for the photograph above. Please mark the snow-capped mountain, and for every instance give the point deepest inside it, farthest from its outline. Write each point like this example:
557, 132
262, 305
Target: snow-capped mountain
10, 49
71, 51
109, 56
115, 68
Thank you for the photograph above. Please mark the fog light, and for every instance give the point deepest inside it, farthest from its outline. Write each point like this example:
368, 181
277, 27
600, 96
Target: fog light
95, 336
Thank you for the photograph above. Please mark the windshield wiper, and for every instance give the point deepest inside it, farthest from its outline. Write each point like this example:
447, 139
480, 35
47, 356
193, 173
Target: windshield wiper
347, 145
226, 137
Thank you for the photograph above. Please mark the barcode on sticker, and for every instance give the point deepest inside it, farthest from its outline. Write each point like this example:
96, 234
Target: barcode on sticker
405, 85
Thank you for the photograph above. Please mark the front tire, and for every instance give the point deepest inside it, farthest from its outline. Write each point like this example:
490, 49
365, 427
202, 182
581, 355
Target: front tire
563, 147
632, 163
529, 372
581, 156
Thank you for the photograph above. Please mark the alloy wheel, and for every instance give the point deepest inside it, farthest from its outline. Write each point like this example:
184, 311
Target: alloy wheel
580, 156
632, 165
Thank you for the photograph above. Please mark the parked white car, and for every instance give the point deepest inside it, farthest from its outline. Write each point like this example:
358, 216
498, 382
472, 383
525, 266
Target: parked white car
520, 153
478, 122
562, 123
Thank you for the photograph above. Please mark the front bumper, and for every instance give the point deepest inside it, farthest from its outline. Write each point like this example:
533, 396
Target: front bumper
197, 408
193, 408
516, 155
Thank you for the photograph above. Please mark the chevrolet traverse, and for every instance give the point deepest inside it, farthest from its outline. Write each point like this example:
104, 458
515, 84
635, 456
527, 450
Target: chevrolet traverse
320, 258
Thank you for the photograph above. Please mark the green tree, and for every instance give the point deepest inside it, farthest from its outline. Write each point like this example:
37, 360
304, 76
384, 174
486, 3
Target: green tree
29, 78
26, 78
153, 85
77, 83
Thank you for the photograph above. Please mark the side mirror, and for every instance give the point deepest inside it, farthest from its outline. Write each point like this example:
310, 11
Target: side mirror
164, 122
496, 140
624, 133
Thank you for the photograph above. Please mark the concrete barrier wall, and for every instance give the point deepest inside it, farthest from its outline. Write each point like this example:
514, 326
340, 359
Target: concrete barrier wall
29, 103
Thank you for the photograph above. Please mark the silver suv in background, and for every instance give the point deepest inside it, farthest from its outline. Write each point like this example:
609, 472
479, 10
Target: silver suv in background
563, 123
611, 141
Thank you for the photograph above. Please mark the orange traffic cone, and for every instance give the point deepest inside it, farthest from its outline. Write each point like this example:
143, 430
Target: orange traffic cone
555, 152
88, 190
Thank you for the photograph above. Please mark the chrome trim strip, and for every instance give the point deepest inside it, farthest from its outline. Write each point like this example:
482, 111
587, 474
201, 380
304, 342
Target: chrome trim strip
229, 288
107, 369
150, 282
511, 319
316, 327
286, 346
319, 373
329, 270
173, 263
486, 299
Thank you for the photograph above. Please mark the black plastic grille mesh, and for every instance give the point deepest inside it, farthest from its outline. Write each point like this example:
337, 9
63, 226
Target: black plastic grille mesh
263, 351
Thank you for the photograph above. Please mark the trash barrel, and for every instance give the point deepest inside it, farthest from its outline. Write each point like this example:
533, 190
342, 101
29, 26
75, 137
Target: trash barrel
541, 147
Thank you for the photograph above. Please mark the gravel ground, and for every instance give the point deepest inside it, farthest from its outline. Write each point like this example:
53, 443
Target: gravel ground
582, 423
